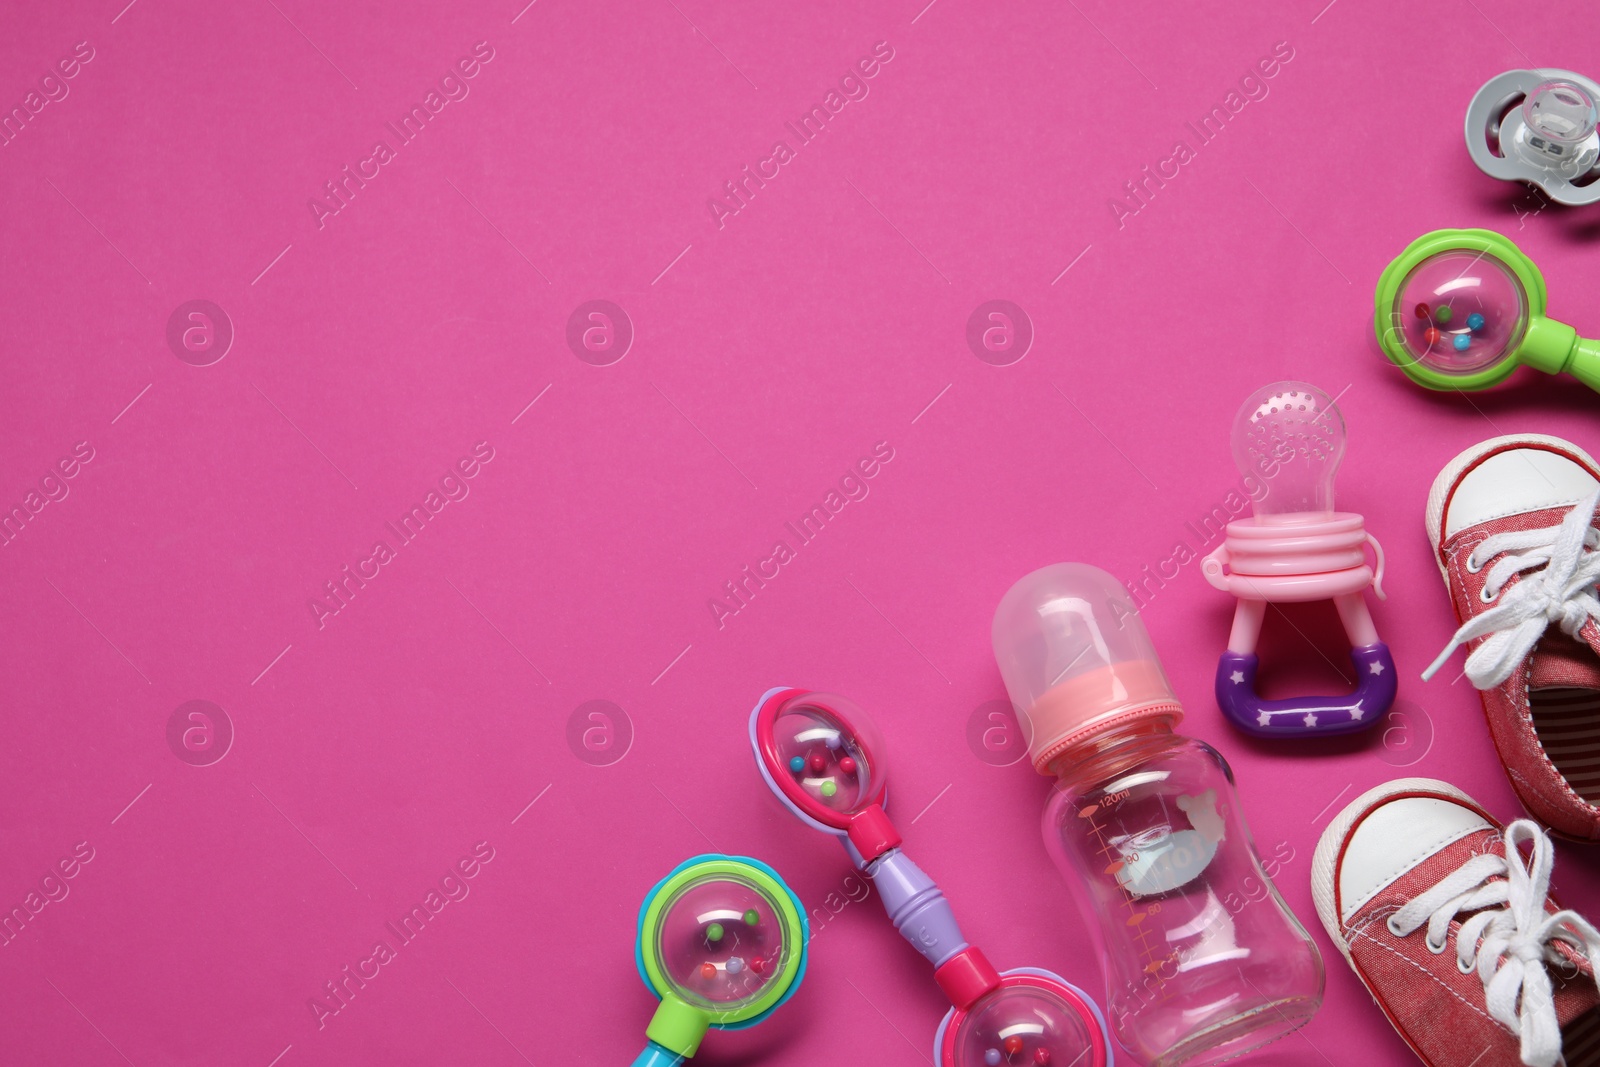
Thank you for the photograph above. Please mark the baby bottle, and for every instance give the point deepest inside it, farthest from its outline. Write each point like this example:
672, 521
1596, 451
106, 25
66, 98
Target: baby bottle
1203, 960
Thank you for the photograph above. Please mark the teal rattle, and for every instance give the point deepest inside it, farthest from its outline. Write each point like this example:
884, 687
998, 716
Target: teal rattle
1462, 309
722, 942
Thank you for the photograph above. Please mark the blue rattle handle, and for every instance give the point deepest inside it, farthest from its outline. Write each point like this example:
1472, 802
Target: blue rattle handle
656, 1056
1310, 716
917, 907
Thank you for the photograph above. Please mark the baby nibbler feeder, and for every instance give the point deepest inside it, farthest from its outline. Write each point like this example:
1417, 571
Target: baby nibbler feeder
1295, 547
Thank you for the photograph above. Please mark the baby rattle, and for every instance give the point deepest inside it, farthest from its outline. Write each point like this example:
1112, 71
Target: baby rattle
722, 942
824, 759
1461, 309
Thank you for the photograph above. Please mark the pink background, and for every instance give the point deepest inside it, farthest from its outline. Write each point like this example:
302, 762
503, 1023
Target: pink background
829, 314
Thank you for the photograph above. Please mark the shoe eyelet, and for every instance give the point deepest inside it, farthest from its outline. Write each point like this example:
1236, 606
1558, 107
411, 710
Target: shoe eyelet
1389, 922
1471, 569
1484, 597
1435, 949
1465, 968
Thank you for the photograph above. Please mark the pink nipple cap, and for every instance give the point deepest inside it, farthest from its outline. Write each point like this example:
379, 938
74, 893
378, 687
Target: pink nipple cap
1076, 658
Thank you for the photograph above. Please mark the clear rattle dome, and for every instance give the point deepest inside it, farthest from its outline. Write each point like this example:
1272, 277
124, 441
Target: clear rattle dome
1023, 1024
720, 942
1460, 312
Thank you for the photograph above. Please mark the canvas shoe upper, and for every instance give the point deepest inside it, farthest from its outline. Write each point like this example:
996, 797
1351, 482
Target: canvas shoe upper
1450, 927
1511, 521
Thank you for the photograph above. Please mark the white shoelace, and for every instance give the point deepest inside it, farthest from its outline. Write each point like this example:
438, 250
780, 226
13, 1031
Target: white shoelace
1566, 566
1508, 945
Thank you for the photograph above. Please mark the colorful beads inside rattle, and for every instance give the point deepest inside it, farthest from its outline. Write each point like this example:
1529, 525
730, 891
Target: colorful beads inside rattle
735, 964
708, 970
752, 917
1440, 316
1010, 1049
714, 933
828, 767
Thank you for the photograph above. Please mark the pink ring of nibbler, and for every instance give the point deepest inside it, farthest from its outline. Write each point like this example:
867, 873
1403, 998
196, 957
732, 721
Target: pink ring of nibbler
1311, 560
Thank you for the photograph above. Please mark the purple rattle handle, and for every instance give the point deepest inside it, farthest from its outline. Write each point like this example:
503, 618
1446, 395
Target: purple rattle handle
1310, 716
917, 907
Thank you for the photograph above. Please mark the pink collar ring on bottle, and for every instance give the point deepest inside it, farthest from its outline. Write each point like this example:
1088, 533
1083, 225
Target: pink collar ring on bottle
1288, 439
821, 755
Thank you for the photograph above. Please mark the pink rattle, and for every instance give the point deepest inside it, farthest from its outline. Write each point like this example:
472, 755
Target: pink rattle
1290, 437
824, 758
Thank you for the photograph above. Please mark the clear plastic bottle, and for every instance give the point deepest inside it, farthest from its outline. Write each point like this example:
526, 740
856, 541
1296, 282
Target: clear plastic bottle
1203, 960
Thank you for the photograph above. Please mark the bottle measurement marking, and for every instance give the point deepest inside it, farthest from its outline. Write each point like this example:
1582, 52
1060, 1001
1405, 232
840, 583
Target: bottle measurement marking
1154, 960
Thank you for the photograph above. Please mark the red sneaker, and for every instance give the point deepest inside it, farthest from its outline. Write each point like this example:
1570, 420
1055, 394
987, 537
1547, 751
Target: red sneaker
1512, 525
1452, 930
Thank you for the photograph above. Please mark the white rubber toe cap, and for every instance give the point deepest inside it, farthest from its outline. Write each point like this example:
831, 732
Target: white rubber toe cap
1394, 839
1513, 482
1381, 835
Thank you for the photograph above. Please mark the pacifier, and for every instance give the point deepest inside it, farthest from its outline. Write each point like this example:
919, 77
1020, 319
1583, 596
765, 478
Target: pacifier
1288, 439
1538, 126
1460, 309
722, 941
822, 756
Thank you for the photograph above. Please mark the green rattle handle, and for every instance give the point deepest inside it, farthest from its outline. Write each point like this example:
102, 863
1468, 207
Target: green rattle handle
678, 1027
1555, 348
1585, 362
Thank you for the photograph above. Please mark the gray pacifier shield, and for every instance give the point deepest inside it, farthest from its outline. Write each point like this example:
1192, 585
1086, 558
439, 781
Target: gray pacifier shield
1495, 117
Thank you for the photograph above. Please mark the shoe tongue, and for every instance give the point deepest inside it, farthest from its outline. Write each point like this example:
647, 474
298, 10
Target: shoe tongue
1564, 663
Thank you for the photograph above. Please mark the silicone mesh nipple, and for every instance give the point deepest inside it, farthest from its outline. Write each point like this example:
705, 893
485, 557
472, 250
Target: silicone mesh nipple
1290, 437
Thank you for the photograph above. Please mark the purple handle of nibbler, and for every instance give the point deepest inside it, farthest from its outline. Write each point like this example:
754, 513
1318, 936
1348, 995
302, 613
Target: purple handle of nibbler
1312, 715
917, 907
